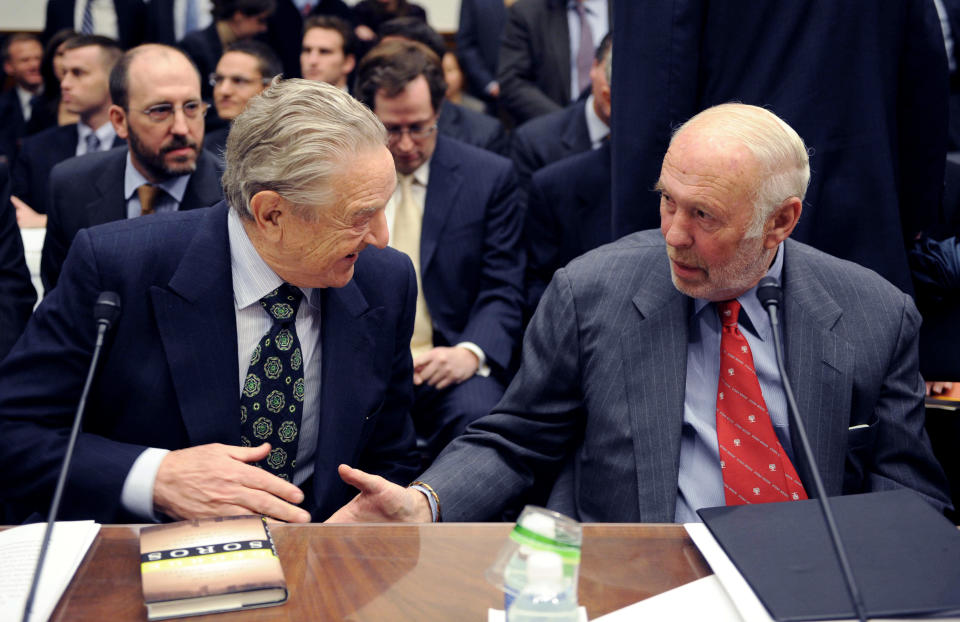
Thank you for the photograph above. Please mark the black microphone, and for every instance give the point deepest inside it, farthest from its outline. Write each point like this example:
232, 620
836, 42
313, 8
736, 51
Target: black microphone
105, 311
771, 296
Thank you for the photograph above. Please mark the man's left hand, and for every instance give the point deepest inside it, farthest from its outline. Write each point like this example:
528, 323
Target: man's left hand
442, 367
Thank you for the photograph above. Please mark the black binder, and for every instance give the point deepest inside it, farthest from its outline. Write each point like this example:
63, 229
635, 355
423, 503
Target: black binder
905, 556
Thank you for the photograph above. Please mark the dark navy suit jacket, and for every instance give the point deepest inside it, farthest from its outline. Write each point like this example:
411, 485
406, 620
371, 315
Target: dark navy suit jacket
478, 41
473, 128
130, 20
16, 290
568, 214
88, 191
470, 256
864, 83
549, 138
12, 125
38, 155
168, 377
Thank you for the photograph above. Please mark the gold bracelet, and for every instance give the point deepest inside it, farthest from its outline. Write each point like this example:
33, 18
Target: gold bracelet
433, 493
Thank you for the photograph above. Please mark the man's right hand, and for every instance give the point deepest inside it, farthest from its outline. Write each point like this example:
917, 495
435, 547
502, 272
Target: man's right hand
215, 480
380, 501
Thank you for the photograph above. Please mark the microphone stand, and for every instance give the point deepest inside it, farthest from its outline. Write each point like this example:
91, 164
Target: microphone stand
106, 310
770, 295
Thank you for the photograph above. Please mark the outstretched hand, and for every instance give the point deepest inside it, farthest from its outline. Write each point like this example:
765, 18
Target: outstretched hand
380, 501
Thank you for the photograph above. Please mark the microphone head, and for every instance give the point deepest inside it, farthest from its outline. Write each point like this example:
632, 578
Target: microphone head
769, 292
107, 308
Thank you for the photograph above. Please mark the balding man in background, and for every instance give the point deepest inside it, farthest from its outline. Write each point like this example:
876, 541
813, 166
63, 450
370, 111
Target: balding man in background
157, 108
648, 379
259, 344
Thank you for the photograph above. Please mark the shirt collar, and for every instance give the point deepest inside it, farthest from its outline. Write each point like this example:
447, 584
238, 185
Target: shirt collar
749, 304
252, 277
25, 97
597, 129
105, 133
176, 187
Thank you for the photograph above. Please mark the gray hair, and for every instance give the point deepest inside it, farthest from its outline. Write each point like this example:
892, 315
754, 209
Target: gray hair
781, 153
291, 139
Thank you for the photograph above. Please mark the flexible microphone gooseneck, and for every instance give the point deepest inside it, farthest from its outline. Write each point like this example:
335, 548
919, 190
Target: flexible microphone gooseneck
105, 311
771, 296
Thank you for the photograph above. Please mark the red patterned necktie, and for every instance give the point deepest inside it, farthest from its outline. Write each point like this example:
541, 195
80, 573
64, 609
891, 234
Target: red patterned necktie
755, 467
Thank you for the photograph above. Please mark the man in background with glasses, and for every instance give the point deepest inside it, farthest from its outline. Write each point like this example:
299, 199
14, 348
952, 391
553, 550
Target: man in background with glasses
455, 213
157, 108
244, 70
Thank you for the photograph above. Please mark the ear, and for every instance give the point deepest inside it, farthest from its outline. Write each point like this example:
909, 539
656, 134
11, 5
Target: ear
349, 62
782, 222
7, 68
118, 117
270, 212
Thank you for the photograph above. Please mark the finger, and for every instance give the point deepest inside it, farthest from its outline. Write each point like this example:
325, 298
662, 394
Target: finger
417, 379
260, 502
361, 480
248, 454
444, 380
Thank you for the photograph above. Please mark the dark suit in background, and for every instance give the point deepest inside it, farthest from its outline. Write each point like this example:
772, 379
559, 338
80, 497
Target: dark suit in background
204, 49
472, 273
611, 408
88, 191
863, 83
478, 42
131, 20
12, 125
568, 214
473, 128
168, 376
549, 138
38, 155
17, 294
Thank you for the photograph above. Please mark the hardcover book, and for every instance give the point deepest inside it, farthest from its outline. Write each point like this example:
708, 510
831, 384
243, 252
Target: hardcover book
208, 566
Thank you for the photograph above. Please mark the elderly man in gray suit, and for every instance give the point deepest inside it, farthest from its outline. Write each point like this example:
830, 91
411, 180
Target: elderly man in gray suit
648, 380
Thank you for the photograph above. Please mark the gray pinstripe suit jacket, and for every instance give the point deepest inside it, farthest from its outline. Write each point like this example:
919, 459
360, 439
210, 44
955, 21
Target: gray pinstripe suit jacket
599, 396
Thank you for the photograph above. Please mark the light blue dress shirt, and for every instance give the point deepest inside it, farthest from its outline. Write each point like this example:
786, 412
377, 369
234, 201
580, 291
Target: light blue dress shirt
700, 481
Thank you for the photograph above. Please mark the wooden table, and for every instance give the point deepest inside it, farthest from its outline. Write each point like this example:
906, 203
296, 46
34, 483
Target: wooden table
397, 572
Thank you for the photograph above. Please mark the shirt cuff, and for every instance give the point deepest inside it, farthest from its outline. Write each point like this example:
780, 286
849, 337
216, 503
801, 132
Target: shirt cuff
490, 86
482, 368
137, 495
430, 500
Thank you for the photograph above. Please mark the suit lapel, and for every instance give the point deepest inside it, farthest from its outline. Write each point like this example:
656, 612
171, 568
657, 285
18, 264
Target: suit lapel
203, 189
109, 204
349, 353
197, 324
820, 366
655, 378
442, 190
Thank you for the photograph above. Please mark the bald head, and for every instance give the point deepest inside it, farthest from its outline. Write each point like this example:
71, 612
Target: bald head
142, 56
781, 156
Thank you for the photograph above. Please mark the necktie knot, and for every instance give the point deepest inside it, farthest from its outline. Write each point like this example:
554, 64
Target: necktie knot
729, 312
147, 193
93, 143
282, 303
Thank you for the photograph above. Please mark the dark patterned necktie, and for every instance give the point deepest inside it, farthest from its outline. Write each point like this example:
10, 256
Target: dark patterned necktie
271, 402
755, 467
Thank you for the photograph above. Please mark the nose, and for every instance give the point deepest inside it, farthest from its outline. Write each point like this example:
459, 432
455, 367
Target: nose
180, 122
675, 228
378, 235
405, 142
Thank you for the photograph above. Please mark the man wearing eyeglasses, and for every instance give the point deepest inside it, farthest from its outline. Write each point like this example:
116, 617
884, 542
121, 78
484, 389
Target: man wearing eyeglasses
455, 213
244, 70
158, 110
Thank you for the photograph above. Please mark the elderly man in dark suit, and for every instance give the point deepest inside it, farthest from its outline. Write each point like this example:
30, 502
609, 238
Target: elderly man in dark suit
156, 107
455, 212
87, 62
259, 344
648, 376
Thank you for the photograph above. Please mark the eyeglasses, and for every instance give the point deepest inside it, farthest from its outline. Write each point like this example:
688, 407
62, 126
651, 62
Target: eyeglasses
416, 131
216, 79
192, 110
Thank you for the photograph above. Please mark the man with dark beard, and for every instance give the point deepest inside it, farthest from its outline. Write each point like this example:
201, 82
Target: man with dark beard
157, 108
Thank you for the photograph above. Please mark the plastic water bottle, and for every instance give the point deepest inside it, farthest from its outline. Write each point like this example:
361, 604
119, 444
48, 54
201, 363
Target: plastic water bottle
515, 572
545, 597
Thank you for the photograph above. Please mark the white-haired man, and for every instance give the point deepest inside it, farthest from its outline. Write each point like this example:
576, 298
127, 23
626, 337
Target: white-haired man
259, 344
648, 379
